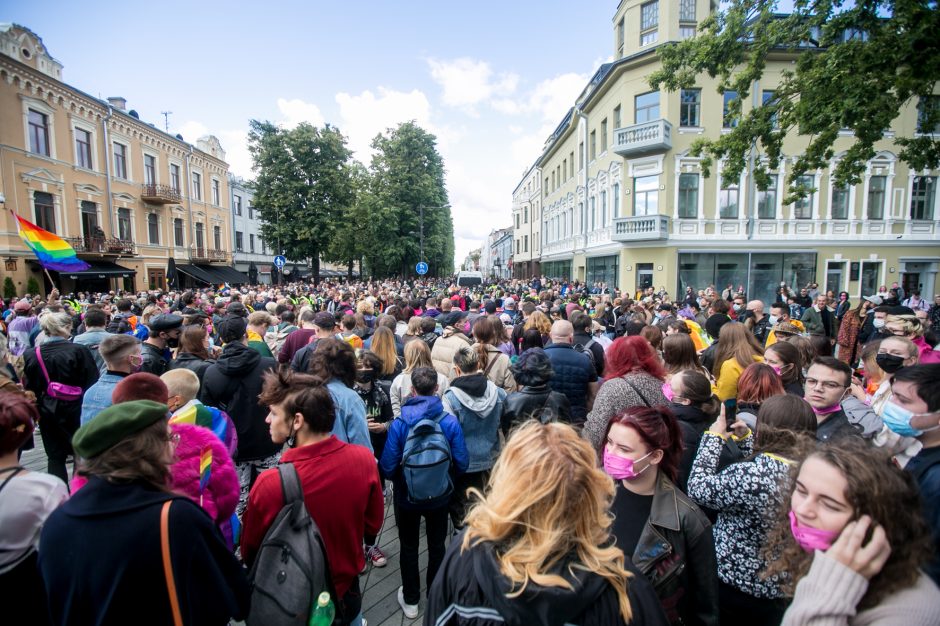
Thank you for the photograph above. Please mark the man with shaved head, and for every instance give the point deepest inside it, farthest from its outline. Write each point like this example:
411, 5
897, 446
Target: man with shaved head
757, 320
575, 375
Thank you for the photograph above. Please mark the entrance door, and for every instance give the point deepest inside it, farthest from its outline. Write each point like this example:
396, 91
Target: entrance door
156, 279
644, 276
834, 276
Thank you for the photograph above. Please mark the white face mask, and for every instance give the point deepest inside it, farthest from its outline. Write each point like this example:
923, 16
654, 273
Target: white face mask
772, 319
878, 323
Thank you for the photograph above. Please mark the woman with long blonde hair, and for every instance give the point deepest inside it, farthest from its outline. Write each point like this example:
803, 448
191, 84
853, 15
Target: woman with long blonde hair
417, 354
537, 548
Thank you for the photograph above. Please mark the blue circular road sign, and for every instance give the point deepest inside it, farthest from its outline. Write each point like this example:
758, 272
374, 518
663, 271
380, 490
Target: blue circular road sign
421, 268
280, 261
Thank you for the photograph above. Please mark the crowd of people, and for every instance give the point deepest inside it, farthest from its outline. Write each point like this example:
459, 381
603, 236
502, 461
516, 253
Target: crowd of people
576, 455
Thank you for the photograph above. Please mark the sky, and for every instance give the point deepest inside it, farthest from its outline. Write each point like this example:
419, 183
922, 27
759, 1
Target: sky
490, 79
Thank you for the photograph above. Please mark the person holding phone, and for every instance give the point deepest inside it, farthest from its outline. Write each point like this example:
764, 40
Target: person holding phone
850, 542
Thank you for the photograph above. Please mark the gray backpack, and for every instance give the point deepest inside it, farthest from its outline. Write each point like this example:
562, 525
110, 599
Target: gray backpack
426, 462
291, 569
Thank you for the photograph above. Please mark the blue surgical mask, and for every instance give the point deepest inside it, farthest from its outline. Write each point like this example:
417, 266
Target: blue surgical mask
898, 419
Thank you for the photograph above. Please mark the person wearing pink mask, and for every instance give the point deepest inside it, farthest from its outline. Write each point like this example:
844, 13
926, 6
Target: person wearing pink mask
850, 542
745, 495
664, 533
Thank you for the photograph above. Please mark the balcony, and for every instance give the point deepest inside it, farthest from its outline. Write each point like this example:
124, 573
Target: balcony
641, 228
640, 139
207, 255
160, 194
102, 246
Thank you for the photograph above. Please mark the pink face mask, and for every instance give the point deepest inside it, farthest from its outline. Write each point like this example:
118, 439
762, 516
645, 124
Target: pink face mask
621, 468
776, 369
667, 391
811, 539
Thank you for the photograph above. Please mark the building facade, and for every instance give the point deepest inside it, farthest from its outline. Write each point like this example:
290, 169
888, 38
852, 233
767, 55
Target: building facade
252, 255
497, 258
527, 225
133, 201
625, 203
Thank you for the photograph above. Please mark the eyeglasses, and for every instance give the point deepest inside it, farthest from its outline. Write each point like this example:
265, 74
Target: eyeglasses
174, 438
826, 384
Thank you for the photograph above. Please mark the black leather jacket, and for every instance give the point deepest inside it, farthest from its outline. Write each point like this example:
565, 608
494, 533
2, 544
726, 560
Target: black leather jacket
676, 553
529, 402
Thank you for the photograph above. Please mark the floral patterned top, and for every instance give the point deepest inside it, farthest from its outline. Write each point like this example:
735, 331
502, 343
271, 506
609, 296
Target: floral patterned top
746, 496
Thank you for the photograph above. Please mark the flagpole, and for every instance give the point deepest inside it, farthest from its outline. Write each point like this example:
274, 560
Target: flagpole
51, 282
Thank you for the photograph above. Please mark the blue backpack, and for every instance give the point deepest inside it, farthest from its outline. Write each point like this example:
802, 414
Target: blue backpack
426, 462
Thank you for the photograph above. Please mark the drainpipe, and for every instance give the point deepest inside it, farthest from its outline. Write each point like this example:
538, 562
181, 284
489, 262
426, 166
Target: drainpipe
751, 183
584, 205
189, 196
107, 169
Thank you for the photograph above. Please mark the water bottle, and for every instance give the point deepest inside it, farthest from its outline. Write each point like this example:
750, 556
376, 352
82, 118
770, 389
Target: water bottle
323, 611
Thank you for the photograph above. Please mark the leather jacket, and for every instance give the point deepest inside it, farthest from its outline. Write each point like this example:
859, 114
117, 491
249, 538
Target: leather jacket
676, 553
528, 403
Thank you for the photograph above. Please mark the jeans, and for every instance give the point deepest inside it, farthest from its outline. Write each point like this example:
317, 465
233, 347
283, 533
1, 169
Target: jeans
409, 531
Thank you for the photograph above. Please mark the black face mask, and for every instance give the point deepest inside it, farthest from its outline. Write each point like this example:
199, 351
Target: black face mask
890, 363
364, 376
172, 342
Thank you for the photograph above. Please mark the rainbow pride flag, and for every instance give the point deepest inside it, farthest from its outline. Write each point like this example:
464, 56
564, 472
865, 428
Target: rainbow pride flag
205, 467
52, 251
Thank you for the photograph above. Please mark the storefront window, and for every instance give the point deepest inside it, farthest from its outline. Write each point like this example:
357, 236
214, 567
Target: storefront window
602, 270
758, 273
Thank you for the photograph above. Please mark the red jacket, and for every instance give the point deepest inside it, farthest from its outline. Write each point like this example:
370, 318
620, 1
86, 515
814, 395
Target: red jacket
343, 494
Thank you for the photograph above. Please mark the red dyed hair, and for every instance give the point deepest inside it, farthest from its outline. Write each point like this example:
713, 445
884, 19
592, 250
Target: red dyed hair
632, 354
659, 429
18, 417
758, 382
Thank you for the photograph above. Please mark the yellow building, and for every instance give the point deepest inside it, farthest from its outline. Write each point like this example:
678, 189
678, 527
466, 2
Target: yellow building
127, 196
527, 225
624, 203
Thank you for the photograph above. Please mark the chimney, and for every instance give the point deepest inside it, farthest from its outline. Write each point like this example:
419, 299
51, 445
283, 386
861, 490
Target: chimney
118, 102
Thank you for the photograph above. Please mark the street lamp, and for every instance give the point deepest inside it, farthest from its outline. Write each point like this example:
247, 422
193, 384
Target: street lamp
421, 223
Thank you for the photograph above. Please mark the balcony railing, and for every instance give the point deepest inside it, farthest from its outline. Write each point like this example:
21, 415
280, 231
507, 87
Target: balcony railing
207, 255
647, 138
641, 228
160, 194
102, 246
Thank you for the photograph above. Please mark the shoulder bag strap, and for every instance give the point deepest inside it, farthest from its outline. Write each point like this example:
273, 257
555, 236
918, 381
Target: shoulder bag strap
42, 365
633, 387
489, 366
167, 564
13, 472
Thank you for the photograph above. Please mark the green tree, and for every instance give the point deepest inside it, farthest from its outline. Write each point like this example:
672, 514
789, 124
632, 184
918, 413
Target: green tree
9, 289
407, 173
302, 187
858, 65
354, 233
32, 286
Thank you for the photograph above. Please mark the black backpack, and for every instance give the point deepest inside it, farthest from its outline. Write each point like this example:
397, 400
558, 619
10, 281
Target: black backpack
586, 349
291, 568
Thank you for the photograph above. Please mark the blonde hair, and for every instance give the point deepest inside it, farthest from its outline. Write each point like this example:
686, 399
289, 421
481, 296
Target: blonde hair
260, 317
414, 326
547, 499
910, 324
181, 382
540, 322
417, 354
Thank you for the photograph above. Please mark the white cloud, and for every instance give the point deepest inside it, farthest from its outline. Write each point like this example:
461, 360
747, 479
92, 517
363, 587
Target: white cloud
468, 82
234, 142
296, 111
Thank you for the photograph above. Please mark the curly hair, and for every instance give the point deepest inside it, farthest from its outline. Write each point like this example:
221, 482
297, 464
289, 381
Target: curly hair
540, 322
877, 488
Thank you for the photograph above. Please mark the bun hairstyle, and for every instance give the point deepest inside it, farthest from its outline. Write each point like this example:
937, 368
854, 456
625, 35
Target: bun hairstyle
659, 429
698, 389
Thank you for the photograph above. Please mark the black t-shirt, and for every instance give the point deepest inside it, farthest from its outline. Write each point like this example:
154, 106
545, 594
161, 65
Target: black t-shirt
631, 513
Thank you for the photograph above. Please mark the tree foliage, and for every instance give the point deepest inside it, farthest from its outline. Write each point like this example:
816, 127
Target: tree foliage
407, 173
303, 186
353, 232
860, 64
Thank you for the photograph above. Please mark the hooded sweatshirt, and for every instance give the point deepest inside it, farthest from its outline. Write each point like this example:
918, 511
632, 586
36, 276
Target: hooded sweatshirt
232, 384
478, 405
470, 590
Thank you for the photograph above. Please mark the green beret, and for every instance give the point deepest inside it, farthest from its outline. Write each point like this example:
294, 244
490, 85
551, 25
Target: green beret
114, 424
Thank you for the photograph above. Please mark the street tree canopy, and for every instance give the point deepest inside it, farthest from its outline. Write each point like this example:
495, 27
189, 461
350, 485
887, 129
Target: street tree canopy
859, 65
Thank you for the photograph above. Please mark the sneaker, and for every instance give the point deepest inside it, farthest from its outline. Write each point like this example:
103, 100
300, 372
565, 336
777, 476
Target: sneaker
410, 610
376, 557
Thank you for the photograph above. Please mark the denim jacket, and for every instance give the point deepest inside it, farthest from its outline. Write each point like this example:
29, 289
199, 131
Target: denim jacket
479, 419
98, 396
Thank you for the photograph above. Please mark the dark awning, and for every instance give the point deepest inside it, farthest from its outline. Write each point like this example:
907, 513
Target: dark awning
101, 269
226, 274
195, 271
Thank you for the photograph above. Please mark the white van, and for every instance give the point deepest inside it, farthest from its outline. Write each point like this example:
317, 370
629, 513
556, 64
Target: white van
469, 279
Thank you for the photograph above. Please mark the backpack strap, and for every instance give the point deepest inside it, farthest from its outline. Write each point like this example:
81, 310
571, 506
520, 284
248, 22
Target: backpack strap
168, 564
13, 472
290, 483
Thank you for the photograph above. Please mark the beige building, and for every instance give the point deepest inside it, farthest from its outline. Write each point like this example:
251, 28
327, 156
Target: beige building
527, 225
624, 203
128, 197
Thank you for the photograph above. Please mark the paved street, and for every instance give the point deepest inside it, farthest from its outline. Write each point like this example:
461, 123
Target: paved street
380, 600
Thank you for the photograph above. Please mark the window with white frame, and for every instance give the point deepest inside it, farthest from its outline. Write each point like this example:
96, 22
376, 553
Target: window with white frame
238, 205
729, 117
216, 192
251, 242
615, 191
690, 107
729, 197
803, 207
197, 186
840, 202
238, 241
649, 23
83, 148
178, 233
687, 22
688, 195
120, 160
923, 197
646, 195
593, 212
877, 191
217, 236
38, 123
604, 135
44, 209
150, 169
200, 235
153, 229
647, 107
125, 232
603, 208
767, 200
175, 177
